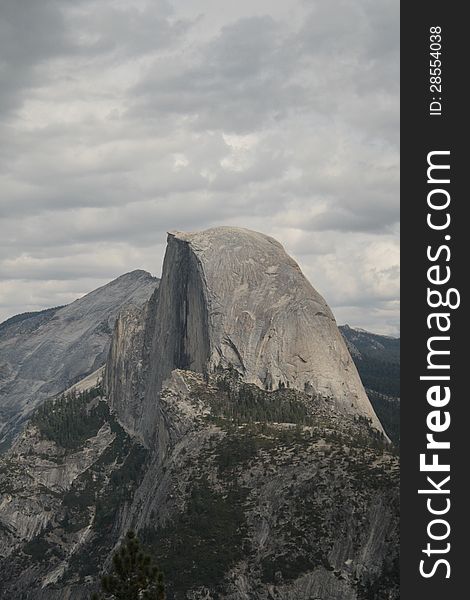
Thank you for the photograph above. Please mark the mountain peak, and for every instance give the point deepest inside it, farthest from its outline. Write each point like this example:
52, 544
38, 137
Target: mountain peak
224, 234
44, 353
232, 297
135, 274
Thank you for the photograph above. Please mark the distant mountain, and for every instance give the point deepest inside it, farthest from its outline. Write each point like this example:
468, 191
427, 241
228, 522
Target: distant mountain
372, 345
377, 358
43, 353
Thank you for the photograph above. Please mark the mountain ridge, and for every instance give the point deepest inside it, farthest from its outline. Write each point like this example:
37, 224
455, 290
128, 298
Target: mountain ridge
377, 358
44, 353
249, 476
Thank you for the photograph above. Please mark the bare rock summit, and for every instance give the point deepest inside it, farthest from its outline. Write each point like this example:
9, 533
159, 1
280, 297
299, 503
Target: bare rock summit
44, 353
233, 297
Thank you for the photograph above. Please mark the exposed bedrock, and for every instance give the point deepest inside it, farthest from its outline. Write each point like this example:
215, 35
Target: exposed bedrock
42, 354
230, 296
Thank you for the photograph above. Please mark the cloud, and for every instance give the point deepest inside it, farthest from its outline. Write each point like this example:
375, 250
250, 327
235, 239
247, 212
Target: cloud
123, 120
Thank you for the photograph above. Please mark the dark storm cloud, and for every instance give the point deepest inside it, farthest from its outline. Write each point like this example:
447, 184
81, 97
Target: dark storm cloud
30, 33
120, 120
236, 82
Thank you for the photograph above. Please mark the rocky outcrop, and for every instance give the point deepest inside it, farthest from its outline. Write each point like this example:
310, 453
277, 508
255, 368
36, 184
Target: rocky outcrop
43, 354
233, 297
124, 376
252, 494
304, 503
231, 431
265, 318
66, 478
42, 468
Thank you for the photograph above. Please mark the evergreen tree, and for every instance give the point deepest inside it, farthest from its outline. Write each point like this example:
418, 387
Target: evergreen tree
134, 575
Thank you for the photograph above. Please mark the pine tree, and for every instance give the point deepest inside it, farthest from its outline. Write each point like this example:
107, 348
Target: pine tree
134, 575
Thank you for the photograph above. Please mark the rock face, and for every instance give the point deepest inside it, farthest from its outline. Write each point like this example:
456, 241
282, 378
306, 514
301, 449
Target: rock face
231, 432
124, 376
257, 495
43, 354
233, 297
71, 453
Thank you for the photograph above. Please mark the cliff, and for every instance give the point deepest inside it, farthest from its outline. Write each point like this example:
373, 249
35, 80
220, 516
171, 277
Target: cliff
258, 495
231, 432
233, 297
43, 354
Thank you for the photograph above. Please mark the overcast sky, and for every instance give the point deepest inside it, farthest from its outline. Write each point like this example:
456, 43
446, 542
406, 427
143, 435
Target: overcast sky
123, 119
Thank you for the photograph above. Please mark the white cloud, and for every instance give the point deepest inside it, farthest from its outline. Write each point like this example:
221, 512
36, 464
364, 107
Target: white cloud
123, 120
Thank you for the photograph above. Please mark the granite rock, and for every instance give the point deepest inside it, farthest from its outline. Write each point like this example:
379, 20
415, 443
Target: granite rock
43, 354
234, 297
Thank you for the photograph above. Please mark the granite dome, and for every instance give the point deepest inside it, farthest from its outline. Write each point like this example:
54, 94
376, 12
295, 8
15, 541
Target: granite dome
233, 297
